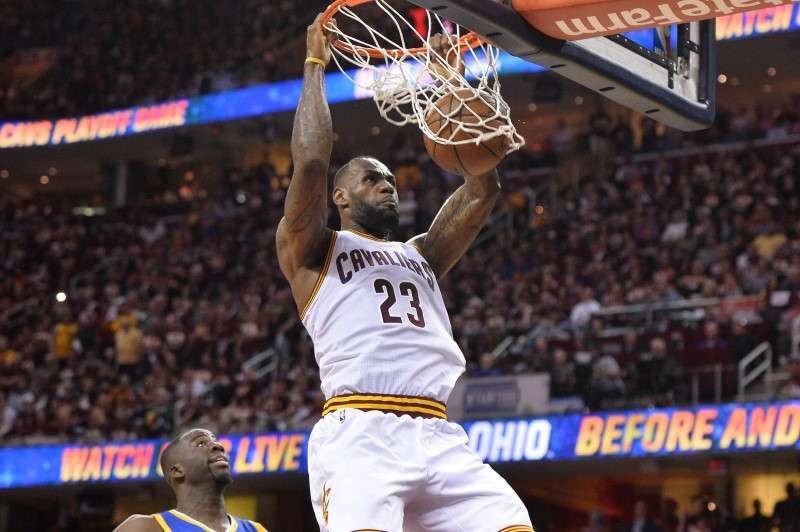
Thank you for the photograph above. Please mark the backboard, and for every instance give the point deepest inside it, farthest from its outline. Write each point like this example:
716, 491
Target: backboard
669, 76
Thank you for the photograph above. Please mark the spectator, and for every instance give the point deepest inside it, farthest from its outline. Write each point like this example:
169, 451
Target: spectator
791, 388
641, 521
786, 515
63, 334
669, 521
128, 340
583, 310
711, 340
769, 241
623, 136
657, 373
607, 380
561, 139
7, 416
630, 348
741, 341
596, 522
676, 229
758, 522
600, 125
486, 366
8, 357
536, 359
562, 375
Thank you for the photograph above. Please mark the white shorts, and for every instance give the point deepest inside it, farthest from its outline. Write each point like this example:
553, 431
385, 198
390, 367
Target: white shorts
375, 471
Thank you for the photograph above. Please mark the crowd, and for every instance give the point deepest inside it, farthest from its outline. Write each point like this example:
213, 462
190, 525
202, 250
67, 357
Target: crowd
96, 56
705, 515
134, 323
603, 135
717, 224
159, 316
90, 57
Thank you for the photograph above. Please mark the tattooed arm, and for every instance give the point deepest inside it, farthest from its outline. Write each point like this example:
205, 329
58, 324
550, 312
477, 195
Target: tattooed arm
458, 222
465, 212
302, 236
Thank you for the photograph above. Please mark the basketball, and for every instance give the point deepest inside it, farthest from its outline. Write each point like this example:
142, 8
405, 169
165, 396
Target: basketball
464, 107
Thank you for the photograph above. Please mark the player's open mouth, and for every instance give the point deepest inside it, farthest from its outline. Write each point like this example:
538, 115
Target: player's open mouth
220, 460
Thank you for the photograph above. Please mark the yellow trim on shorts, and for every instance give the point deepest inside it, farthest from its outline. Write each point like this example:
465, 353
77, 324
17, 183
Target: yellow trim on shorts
367, 235
517, 528
163, 524
385, 398
258, 526
387, 408
387, 403
321, 276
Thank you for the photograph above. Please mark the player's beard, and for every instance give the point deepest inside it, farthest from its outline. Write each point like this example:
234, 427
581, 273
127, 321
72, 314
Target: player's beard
377, 219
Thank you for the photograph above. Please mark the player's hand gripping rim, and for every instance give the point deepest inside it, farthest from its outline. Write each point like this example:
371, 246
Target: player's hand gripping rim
320, 39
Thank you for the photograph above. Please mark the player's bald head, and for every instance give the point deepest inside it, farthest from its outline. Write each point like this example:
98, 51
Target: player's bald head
175, 450
355, 168
172, 453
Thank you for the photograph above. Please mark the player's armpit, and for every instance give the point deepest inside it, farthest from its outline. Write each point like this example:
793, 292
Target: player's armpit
139, 523
458, 222
417, 241
295, 252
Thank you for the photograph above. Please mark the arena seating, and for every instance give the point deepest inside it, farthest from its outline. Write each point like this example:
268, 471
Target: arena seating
166, 301
96, 56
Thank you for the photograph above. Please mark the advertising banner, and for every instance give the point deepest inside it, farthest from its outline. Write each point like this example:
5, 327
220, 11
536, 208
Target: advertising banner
713, 429
500, 396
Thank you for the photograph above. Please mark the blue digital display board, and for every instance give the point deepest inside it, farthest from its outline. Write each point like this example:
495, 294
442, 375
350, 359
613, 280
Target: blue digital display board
625, 434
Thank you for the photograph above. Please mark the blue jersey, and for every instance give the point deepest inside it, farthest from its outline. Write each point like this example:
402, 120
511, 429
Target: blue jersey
175, 521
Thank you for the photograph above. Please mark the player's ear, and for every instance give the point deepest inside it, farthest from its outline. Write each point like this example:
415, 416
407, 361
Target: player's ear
340, 198
177, 473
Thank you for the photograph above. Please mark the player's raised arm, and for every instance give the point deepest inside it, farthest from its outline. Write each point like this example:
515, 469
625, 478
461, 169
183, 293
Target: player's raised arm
302, 236
458, 222
465, 212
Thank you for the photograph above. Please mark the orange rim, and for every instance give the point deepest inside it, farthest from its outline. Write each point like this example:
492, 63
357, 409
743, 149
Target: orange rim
465, 42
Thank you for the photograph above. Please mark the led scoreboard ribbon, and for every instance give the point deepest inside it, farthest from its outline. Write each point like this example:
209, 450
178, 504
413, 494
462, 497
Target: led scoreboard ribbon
283, 96
625, 434
640, 433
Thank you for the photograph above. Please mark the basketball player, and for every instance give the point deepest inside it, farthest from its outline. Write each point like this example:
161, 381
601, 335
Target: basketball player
383, 457
196, 467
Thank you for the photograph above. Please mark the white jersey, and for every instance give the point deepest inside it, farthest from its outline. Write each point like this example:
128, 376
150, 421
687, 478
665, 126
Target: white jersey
378, 322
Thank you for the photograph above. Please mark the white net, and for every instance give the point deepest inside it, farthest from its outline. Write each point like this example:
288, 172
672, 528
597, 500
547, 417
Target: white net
407, 83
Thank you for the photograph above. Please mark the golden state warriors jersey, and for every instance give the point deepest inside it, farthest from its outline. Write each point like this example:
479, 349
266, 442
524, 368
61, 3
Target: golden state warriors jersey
175, 521
378, 322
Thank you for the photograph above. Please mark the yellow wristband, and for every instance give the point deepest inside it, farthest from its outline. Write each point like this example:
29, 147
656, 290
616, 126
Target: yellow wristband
316, 60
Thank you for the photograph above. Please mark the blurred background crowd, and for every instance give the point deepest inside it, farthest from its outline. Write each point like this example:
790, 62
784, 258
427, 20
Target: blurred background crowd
106, 55
144, 319
703, 515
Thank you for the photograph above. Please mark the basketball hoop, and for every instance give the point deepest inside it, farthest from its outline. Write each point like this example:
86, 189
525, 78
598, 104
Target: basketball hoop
469, 40
407, 80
